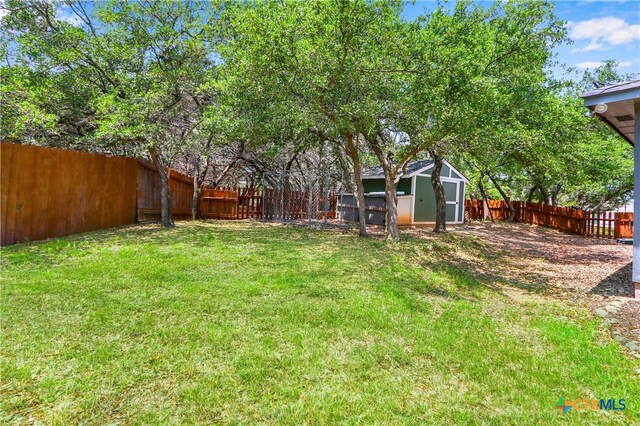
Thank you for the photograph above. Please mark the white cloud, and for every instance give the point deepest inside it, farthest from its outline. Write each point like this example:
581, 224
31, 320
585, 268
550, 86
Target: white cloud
591, 46
589, 64
604, 31
596, 64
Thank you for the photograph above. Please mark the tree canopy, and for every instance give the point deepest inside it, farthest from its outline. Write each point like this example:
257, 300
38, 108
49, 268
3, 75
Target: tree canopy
353, 81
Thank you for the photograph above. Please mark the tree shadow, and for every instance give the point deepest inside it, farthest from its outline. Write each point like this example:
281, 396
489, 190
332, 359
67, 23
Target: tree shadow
617, 284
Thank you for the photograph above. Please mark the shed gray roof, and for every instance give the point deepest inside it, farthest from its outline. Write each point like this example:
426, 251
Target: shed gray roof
413, 167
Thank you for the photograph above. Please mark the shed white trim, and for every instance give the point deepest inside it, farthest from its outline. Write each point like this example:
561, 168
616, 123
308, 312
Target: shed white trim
453, 169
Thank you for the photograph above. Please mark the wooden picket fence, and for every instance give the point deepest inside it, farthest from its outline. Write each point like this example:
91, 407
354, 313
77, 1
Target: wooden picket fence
250, 203
257, 203
575, 221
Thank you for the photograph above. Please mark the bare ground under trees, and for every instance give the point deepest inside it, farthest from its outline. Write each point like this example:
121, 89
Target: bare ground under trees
596, 272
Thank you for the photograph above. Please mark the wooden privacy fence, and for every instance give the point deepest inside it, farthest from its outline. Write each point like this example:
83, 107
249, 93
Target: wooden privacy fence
575, 221
624, 225
47, 192
219, 203
213, 203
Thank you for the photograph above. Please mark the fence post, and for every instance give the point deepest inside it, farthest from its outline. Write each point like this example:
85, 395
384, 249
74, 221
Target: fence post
282, 193
326, 197
238, 201
310, 200
341, 208
262, 206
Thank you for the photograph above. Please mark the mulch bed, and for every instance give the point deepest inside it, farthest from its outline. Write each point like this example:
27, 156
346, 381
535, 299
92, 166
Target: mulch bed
590, 270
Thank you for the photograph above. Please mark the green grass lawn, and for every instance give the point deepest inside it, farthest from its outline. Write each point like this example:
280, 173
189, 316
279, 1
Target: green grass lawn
243, 323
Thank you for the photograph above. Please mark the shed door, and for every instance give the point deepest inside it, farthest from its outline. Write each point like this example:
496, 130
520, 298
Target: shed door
425, 210
451, 192
425, 200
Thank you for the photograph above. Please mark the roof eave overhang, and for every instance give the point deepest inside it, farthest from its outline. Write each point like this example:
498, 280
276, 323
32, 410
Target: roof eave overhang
614, 127
631, 96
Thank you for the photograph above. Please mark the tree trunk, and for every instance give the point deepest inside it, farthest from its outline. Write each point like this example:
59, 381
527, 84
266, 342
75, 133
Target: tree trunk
554, 195
390, 171
546, 199
391, 214
438, 189
165, 194
507, 199
485, 199
195, 201
531, 192
359, 189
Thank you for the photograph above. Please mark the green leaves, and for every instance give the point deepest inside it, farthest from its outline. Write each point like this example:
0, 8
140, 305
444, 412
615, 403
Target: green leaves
132, 69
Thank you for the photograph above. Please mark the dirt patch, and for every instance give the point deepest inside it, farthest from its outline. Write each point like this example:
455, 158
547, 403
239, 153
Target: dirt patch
629, 318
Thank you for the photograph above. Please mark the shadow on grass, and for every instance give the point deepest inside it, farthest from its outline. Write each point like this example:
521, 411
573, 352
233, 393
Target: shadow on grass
450, 266
617, 284
475, 265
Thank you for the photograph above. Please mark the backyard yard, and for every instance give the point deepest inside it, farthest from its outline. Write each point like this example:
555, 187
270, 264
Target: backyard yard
246, 322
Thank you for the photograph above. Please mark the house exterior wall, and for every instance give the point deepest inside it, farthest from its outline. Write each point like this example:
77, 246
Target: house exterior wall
636, 200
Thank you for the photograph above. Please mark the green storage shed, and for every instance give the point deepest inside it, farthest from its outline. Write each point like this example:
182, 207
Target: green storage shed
416, 199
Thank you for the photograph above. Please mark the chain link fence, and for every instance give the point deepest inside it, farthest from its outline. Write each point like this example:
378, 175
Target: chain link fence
295, 196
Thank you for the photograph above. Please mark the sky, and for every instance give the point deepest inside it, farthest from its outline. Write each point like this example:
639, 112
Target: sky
599, 30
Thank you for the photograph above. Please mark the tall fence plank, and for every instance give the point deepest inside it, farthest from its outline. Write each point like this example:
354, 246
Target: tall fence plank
575, 221
47, 192
250, 203
181, 193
